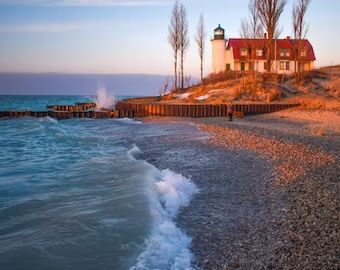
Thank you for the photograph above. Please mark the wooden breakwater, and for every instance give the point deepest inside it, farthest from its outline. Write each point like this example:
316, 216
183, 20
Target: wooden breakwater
131, 110
60, 114
126, 109
78, 107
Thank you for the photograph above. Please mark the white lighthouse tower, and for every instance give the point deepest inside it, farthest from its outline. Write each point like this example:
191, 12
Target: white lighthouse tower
218, 50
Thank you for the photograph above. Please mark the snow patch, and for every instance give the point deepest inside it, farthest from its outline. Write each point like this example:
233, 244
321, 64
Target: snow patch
182, 96
203, 97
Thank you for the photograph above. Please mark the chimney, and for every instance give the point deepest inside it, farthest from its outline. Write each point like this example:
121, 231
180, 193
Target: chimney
288, 37
265, 35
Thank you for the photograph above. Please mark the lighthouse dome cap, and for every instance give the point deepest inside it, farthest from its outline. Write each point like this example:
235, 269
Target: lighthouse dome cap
219, 28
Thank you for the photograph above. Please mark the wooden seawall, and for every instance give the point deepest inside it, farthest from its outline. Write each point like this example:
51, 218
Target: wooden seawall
60, 114
196, 110
124, 109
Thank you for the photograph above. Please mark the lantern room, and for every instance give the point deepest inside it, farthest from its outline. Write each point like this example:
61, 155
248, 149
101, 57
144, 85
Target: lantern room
219, 33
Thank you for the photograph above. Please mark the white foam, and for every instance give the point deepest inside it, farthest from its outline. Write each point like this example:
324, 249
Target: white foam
175, 191
104, 101
167, 247
48, 119
128, 121
133, 151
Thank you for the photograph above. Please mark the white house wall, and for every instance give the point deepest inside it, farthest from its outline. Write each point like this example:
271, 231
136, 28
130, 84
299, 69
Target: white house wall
259, 65
229, 56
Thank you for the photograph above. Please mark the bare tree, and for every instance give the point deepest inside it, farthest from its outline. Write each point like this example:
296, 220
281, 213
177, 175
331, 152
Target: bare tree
251, 28
245, 32
174, 38
269, 12
183, 40
187, 81
200, 40
164, 88
300, 29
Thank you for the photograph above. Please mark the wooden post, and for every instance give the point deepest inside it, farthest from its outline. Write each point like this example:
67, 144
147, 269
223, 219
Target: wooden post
187, 110
209, 110
167, 110
192, 111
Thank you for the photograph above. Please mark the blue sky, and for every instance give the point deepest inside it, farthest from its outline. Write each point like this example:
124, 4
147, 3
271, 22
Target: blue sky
123, 36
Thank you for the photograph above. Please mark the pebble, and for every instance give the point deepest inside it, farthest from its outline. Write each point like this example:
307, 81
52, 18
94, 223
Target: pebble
297, 222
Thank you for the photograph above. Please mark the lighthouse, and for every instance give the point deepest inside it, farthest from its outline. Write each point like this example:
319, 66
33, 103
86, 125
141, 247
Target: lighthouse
218, 50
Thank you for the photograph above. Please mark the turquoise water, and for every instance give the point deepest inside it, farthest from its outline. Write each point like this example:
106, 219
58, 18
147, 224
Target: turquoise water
75, 194
40, 103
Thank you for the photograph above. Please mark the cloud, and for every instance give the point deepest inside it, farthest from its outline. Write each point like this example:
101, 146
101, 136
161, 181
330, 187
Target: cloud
88, 2
61, 27
46, 28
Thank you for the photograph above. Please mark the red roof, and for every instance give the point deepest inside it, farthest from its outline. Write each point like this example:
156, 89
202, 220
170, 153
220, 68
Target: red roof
284, 48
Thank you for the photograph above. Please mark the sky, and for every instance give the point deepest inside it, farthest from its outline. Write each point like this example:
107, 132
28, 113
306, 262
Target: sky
130, 36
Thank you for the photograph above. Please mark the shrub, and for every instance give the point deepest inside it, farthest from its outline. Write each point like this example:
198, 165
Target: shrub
273, 94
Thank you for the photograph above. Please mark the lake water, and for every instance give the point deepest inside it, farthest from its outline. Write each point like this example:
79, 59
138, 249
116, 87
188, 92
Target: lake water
78, 194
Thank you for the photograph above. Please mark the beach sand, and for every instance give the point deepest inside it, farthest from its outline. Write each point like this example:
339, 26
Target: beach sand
269, 192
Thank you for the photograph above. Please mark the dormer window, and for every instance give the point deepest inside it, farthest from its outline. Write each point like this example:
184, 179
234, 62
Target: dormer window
303, 53
259, 52
244, 52
284, 53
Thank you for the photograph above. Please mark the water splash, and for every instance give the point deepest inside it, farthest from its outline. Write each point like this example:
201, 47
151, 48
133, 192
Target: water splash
168, 247
104, 101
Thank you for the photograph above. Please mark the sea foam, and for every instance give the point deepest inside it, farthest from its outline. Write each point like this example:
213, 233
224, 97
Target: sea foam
128, 121
167, 247
104, 101
48, 119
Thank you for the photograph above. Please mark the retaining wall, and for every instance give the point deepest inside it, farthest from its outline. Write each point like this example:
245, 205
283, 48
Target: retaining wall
196, 110
124, 109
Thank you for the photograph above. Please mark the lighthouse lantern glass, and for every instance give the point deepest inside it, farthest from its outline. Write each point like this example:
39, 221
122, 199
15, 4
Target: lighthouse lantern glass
219, 32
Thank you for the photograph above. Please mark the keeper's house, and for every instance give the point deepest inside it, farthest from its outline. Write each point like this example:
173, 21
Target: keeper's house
250, 54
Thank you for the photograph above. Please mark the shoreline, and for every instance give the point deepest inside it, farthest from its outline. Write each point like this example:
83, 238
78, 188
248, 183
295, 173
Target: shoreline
282, 214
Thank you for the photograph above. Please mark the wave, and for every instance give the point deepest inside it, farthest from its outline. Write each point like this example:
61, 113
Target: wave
128, 121
48, 119
168, 247
133, 151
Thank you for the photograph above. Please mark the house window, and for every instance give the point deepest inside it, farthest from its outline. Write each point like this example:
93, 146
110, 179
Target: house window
284, 65
244, 52
303, 53
284, 52
228, 67
259, 52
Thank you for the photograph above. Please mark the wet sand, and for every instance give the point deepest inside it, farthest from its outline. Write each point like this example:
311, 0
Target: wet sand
269, 192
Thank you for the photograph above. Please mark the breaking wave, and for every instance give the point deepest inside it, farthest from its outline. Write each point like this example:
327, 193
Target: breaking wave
168, 247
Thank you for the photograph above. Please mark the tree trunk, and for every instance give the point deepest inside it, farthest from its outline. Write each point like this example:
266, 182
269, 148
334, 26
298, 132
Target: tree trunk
182, 71
175, 79
201, 70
